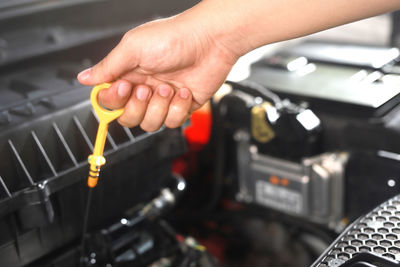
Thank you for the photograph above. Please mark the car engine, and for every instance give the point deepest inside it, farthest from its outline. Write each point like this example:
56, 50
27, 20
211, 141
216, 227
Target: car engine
296, 165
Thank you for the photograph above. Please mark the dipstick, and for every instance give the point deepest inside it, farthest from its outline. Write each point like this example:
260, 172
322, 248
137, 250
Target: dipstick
96, 159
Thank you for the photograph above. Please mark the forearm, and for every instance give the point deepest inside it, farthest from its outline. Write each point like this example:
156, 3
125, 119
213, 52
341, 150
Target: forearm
242, 25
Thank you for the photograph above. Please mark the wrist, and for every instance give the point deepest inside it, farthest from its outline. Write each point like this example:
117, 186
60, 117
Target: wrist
220, 24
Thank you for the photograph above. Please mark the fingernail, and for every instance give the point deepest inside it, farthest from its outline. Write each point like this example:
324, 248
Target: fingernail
184, 93
124, 89
164, 90
142, 93
84, 74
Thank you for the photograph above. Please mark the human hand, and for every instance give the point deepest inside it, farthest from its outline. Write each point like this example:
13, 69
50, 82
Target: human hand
176, 64
163, 70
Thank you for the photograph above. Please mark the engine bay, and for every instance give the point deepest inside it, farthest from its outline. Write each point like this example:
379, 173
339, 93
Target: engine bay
296, 165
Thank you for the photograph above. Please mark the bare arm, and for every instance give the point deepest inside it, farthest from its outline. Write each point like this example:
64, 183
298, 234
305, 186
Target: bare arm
245, 25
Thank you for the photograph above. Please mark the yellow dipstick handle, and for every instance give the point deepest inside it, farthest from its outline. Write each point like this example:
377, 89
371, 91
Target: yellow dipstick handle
96, 160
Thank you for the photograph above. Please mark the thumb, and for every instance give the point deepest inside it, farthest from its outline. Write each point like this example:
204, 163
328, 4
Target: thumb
119, 61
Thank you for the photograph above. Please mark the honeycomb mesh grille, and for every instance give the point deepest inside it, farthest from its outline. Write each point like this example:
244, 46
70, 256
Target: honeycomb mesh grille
377, 233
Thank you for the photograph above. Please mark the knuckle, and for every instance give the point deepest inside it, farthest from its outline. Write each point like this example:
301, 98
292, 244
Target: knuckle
130, 121
177, 110
149, 126
129, 118
107, 69
172, 124
127, 36
133, 114
125, 123
176, 116
174, 120
100, 71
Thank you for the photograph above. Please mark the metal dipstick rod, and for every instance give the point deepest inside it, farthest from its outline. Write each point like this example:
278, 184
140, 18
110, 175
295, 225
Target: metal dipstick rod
96, 160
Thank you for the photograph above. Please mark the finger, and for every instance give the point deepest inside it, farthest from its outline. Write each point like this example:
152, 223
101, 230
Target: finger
136, 107
179, 108
158, 108
117, 95
120, 60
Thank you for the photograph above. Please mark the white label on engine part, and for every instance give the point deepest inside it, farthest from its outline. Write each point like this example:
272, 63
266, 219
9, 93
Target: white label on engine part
278, 197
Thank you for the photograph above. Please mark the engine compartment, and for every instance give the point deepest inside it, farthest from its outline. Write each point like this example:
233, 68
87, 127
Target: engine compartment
275, 169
